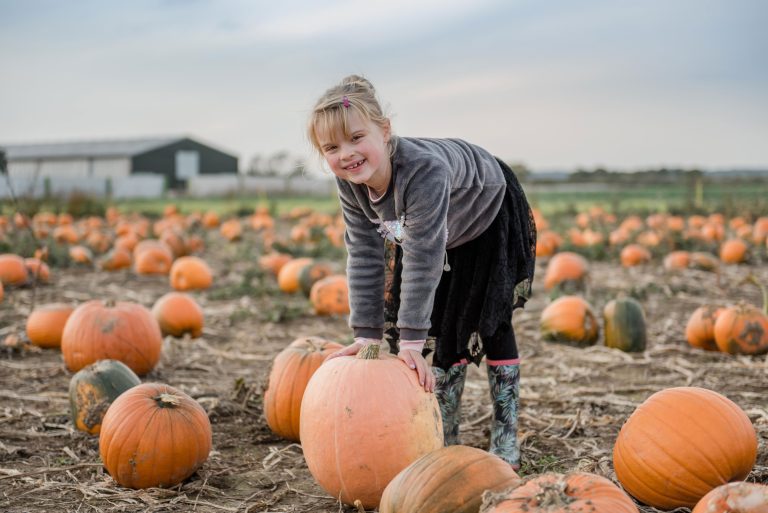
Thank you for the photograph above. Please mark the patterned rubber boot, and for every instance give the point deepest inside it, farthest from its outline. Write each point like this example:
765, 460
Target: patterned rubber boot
504, 382
448, 389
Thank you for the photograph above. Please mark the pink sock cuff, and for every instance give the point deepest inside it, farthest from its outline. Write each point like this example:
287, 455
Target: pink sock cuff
463, 361
496, 363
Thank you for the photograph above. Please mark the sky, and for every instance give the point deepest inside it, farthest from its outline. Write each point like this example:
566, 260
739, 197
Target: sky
555, 85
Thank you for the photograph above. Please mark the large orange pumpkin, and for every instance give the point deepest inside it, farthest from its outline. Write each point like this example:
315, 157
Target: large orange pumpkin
681, 443
569, 319
449, 480
120, 331
578, 492
735, 498
700, 330
154, 435
291, 371
12, 270
567, 270
178, 314
93, 388
355, 444
45, 324
191, 273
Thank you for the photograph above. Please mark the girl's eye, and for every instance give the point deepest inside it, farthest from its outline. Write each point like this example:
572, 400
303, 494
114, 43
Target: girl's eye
356, 137
329, 149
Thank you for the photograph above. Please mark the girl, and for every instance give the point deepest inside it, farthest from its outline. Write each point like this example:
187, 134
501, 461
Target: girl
462, 246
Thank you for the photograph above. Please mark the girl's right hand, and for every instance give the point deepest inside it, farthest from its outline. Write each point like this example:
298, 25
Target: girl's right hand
353, 348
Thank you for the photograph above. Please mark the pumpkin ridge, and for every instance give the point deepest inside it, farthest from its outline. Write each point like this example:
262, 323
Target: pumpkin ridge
300, 367
132, 349
140, 448
737, 428
694, 473
417, 473
139, 410
639, 481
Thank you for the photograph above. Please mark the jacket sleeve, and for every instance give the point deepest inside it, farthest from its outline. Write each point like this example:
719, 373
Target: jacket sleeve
426, 202
365, 267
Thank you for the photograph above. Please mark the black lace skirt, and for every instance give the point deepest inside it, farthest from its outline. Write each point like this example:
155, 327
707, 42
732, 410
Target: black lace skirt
489, 277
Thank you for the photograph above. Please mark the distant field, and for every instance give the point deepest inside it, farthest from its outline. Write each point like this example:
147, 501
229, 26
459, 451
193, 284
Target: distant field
730, 199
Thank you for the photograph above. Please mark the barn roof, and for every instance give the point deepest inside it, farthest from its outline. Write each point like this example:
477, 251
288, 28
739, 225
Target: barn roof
103, 148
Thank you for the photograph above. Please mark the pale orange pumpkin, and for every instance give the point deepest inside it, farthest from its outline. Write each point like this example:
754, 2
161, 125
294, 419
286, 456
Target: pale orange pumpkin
353, 445
677, 260
733, 251
191, 273
120, 331
700, 330
231, 230
154, 435
569, 319
633, 255
45, 324
290, 373
680, 444
738, 497
274, 261
38, 270
578, 492
330, 295
12, 270
118, 258
178, 314
704, 261
450, 479
152, 257
81, 255
566, 270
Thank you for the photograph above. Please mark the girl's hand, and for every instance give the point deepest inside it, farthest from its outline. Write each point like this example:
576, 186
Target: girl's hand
415, 361
353, 348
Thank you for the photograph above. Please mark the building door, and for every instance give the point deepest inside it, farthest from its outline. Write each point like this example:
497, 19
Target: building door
187, 164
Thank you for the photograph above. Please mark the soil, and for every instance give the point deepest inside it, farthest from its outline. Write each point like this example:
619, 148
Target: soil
573, 400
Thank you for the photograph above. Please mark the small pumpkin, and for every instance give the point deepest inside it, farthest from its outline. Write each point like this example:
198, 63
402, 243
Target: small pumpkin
122, 331
677, 260
704, 261
288, 378
93, 388
118, 258
45, 325
567, 271
178, 314
330, 295
355, 446
681, 443
231, 230
700, 329
191, 273
12, 270
569, 319
38, 270
624, 325
633, 255
152, 257
81, 255
274, 261
577, 492
154, 435
738, 497
449, 480
288, 277
733, 251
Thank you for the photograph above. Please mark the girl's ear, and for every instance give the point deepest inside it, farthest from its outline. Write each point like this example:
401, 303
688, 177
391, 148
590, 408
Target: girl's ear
387, 129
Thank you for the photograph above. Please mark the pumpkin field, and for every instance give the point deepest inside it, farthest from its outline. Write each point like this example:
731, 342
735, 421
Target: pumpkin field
206, 302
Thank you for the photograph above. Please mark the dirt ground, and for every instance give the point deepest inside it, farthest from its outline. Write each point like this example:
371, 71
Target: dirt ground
573, 401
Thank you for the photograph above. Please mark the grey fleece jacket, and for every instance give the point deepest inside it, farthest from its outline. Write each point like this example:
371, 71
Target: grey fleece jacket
443, 193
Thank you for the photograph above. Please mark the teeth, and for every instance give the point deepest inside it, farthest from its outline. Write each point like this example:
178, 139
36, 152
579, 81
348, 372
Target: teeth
356, 164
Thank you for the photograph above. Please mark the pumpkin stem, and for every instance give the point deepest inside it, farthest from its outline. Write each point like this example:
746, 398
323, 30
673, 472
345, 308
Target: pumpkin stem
110, 303
166, 400
553, 495
369, 352
752, 279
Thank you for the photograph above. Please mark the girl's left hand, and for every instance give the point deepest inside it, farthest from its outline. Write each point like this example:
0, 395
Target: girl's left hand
415, 361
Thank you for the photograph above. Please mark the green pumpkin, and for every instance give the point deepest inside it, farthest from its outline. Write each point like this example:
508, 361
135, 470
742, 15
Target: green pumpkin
624, 325
312, 273
93, 389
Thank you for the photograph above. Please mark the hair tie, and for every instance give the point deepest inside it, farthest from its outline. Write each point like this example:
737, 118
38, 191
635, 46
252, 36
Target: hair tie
345, 102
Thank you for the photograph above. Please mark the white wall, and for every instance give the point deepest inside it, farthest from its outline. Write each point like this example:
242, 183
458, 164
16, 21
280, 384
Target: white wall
132, 186
223, 184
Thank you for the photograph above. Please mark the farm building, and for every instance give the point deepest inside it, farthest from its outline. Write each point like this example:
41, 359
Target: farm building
175, 159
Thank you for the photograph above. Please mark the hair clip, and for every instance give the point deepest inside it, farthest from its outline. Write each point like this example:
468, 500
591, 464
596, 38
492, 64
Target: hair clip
345, 102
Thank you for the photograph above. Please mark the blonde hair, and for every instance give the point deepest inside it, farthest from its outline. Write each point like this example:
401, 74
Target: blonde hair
331, 111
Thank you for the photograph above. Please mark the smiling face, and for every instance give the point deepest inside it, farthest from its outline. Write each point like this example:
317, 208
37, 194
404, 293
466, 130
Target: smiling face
361, 154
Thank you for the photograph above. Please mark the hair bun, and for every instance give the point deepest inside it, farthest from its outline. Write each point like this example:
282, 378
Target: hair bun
356, 81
